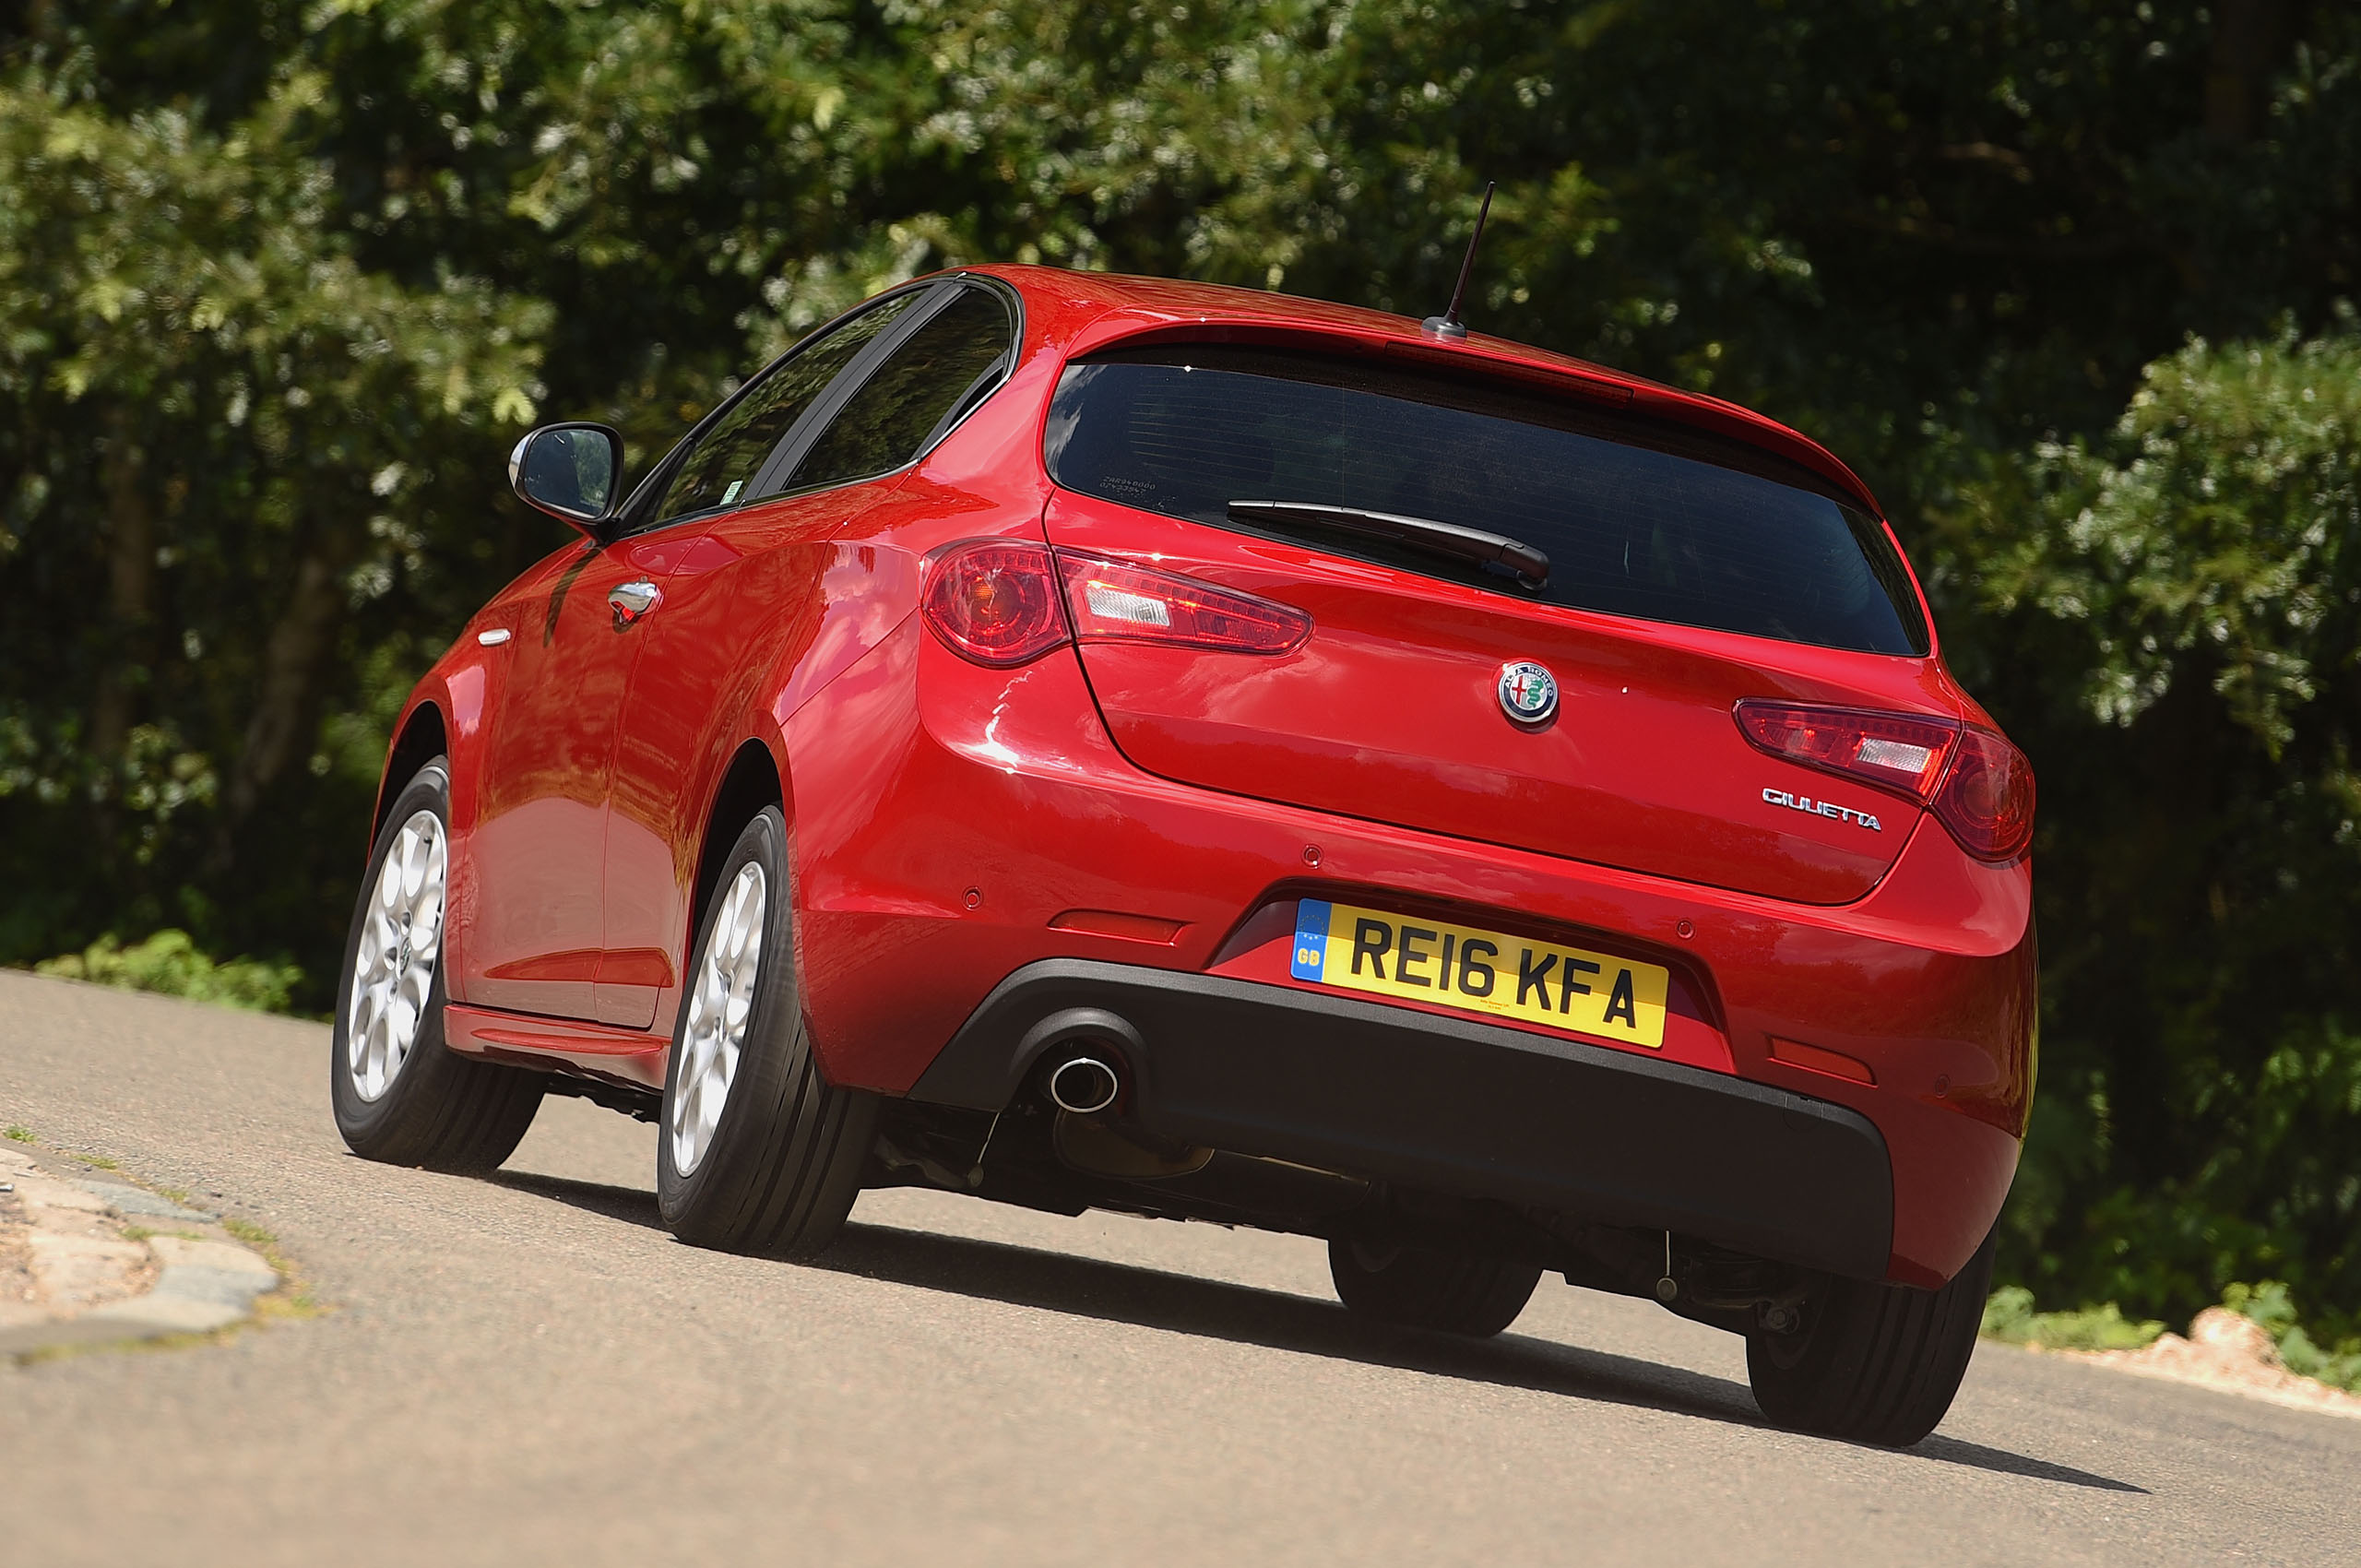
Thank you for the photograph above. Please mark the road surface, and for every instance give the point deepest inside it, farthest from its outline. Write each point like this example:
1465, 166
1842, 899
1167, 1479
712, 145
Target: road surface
525, 1369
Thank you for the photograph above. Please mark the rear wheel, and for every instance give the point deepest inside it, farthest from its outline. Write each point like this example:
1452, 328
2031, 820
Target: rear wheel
758, 1153
1414, 1288
1873, 1363
399, 1093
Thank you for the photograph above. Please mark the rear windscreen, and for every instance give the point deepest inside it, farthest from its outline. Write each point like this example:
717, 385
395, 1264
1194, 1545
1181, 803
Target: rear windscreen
1638, 519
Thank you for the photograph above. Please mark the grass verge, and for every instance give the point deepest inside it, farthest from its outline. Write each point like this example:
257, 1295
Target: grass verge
171, 964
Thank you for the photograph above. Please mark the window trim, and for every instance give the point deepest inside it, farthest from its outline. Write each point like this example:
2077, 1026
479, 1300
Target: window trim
649, 491
791, 447
797, 442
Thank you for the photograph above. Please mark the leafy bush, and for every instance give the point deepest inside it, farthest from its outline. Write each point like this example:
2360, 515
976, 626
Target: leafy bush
2008, 1315
170, 963
2274, 1309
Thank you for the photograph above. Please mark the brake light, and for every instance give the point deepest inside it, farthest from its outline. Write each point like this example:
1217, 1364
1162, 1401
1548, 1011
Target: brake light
995, 601
998, 602
1986, 802
1979, 785
1115, 601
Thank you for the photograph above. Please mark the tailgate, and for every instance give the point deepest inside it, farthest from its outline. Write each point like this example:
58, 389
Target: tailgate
1392, 709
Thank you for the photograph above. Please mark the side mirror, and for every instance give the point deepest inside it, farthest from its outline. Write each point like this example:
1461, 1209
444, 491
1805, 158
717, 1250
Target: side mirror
569, 471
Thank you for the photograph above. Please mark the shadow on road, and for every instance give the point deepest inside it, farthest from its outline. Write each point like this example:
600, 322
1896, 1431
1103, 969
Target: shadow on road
1059, 1282
1120, 1292
635, 1205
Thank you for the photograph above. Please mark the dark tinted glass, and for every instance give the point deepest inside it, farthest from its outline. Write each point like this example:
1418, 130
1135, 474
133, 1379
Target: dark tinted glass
1650, 530
721, 470
946, 367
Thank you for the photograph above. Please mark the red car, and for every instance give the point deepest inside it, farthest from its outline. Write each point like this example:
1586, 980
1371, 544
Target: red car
1095, 742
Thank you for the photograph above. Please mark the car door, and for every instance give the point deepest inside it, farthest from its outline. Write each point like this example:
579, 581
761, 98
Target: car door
538, 932
533, 885
750, 595
728, 469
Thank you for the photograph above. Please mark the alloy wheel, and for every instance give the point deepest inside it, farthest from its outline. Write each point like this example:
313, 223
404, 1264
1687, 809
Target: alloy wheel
720, 1004
393, 968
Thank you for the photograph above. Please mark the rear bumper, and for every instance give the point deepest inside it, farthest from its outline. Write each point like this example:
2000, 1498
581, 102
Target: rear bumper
949, 821
1456, 1106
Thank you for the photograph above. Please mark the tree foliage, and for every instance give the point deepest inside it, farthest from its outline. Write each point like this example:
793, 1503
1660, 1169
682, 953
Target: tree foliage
2063, 278
228, 438
2176, 603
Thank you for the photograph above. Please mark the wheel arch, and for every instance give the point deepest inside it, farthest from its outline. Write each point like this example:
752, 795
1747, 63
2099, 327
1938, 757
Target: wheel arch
423, 737
750, 782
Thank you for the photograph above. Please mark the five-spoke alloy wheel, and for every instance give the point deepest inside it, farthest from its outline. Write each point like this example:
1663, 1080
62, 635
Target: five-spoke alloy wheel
760, 1152
399, 1093
401, 938
713, 1036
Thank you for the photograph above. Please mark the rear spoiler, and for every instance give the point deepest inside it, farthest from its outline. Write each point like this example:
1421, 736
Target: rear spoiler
1606, 390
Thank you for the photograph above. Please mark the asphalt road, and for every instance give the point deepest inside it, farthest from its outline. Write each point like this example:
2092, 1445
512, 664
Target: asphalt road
525, 1369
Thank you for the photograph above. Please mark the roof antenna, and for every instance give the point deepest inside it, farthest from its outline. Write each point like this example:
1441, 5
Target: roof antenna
1448, 326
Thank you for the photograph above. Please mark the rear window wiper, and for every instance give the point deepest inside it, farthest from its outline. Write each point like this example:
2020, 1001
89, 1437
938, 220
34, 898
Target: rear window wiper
1531, 566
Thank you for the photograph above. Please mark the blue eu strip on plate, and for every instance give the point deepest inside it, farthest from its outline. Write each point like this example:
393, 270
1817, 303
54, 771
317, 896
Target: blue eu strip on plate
1311, 955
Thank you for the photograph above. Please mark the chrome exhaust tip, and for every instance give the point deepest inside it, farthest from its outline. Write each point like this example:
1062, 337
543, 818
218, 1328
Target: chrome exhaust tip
1083, 1084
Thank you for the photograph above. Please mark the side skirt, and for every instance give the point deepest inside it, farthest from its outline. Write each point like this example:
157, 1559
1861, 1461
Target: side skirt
631, 1059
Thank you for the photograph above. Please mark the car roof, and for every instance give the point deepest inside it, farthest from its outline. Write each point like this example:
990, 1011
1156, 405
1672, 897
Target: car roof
1090, 310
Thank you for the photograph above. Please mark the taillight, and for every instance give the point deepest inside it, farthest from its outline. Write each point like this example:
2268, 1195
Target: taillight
995, 601
1987, 800
1115, 601
1901, 752
998, 602
1979, 785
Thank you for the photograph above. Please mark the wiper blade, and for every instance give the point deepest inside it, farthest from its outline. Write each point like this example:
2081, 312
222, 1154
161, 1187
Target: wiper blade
1434, 537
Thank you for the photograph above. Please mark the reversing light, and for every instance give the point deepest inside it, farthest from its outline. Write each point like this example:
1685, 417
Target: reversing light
1979, 785
1116, 602
1901, 752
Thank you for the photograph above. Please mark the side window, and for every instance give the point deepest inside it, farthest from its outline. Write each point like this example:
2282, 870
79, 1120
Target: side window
721, 468
947, 366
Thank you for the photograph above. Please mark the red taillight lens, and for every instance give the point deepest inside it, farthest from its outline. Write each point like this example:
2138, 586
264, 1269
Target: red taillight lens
1978, 784
1115, 601
1987, 800
1896, 750
995, 601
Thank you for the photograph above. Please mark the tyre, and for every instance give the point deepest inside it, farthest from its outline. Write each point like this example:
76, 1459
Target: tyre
1873, 1363
756, 1151
399, 1093
1414, 1288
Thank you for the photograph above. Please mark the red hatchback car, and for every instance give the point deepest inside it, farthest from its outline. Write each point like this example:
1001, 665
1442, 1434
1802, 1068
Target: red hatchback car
1095, 742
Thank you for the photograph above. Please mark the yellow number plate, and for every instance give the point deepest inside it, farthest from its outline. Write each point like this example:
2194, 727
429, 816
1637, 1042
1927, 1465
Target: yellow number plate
1532, 982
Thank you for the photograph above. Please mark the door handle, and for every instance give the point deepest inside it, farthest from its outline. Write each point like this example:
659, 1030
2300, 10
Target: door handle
632, 600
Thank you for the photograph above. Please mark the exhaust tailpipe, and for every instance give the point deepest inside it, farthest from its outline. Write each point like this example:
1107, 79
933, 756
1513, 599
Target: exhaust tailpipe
1083, 1084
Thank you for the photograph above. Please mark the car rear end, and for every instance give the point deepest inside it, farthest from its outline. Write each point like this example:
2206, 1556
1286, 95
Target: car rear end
1669, 898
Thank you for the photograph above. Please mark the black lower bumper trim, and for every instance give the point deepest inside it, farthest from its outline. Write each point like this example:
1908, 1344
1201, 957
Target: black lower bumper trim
1456, 1106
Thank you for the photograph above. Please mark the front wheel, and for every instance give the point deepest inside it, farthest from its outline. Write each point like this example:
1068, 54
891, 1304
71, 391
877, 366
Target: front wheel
758, 1153
1873, 1363
400, 1095
1415, 1288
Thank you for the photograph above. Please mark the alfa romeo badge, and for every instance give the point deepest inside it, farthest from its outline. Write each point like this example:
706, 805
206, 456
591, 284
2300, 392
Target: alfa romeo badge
1528, 692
